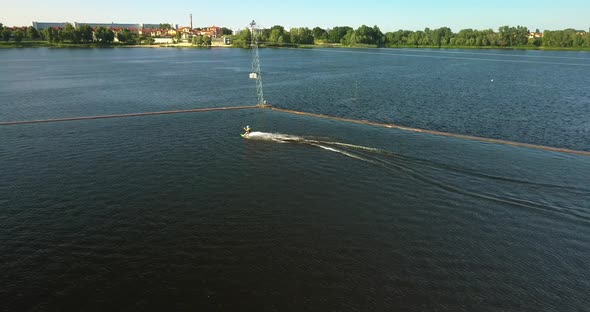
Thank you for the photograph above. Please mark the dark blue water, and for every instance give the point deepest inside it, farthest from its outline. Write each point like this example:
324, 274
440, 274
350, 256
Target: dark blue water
538, 97
178, 212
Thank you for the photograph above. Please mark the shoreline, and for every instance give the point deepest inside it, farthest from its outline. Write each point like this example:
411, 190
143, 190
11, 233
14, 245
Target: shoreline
45, 44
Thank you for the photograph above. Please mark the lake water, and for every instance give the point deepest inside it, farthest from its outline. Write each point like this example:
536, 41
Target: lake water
179, 212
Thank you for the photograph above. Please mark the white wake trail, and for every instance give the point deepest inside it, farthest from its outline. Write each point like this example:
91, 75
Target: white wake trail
287, 138
345, 153
276, 137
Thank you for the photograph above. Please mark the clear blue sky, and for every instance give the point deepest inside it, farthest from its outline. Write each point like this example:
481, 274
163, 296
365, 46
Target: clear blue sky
387, 14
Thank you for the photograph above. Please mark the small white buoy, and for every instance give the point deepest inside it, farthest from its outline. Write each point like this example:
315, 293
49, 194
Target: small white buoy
492, 80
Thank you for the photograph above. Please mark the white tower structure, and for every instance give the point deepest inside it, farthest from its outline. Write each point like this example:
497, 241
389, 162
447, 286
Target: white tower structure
256, 63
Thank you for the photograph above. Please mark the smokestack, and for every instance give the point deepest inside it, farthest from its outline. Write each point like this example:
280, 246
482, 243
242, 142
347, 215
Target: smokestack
191, 21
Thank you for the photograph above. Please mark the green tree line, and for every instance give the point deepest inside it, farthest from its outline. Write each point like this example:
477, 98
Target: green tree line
201, 41
69, 34
276, 36
506, 36
18, 35
85, 34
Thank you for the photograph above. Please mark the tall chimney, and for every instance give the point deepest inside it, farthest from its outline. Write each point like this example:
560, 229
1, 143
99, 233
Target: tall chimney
191, 21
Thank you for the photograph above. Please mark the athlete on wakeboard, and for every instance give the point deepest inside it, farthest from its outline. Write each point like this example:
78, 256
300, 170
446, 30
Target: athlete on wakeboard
248, 130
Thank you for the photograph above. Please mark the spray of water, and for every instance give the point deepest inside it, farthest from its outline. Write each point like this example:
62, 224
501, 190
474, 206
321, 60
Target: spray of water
418, 170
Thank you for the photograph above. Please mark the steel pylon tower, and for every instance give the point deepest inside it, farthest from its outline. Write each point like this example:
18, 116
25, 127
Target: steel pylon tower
256, 63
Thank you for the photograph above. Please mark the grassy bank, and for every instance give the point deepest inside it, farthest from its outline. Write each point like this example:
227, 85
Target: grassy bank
490, 48
369, 46
47, 44
23, 44
337, 45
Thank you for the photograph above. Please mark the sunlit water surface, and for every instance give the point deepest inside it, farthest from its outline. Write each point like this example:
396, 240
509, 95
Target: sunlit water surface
179, 212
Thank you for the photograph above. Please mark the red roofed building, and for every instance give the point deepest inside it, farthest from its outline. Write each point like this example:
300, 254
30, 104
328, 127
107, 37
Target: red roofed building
215, 31
15, 28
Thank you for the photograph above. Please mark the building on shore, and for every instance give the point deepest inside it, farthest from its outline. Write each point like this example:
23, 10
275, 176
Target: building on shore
163, 41
533, 35
147, 30
214, 32
44, 25
15, 28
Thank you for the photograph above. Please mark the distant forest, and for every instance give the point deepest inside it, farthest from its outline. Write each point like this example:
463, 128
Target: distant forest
82, 34
506, 36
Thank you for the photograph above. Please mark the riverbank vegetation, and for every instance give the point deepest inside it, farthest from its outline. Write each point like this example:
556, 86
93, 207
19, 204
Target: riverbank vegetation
444, 37
83, 36
341, 36
69, 35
